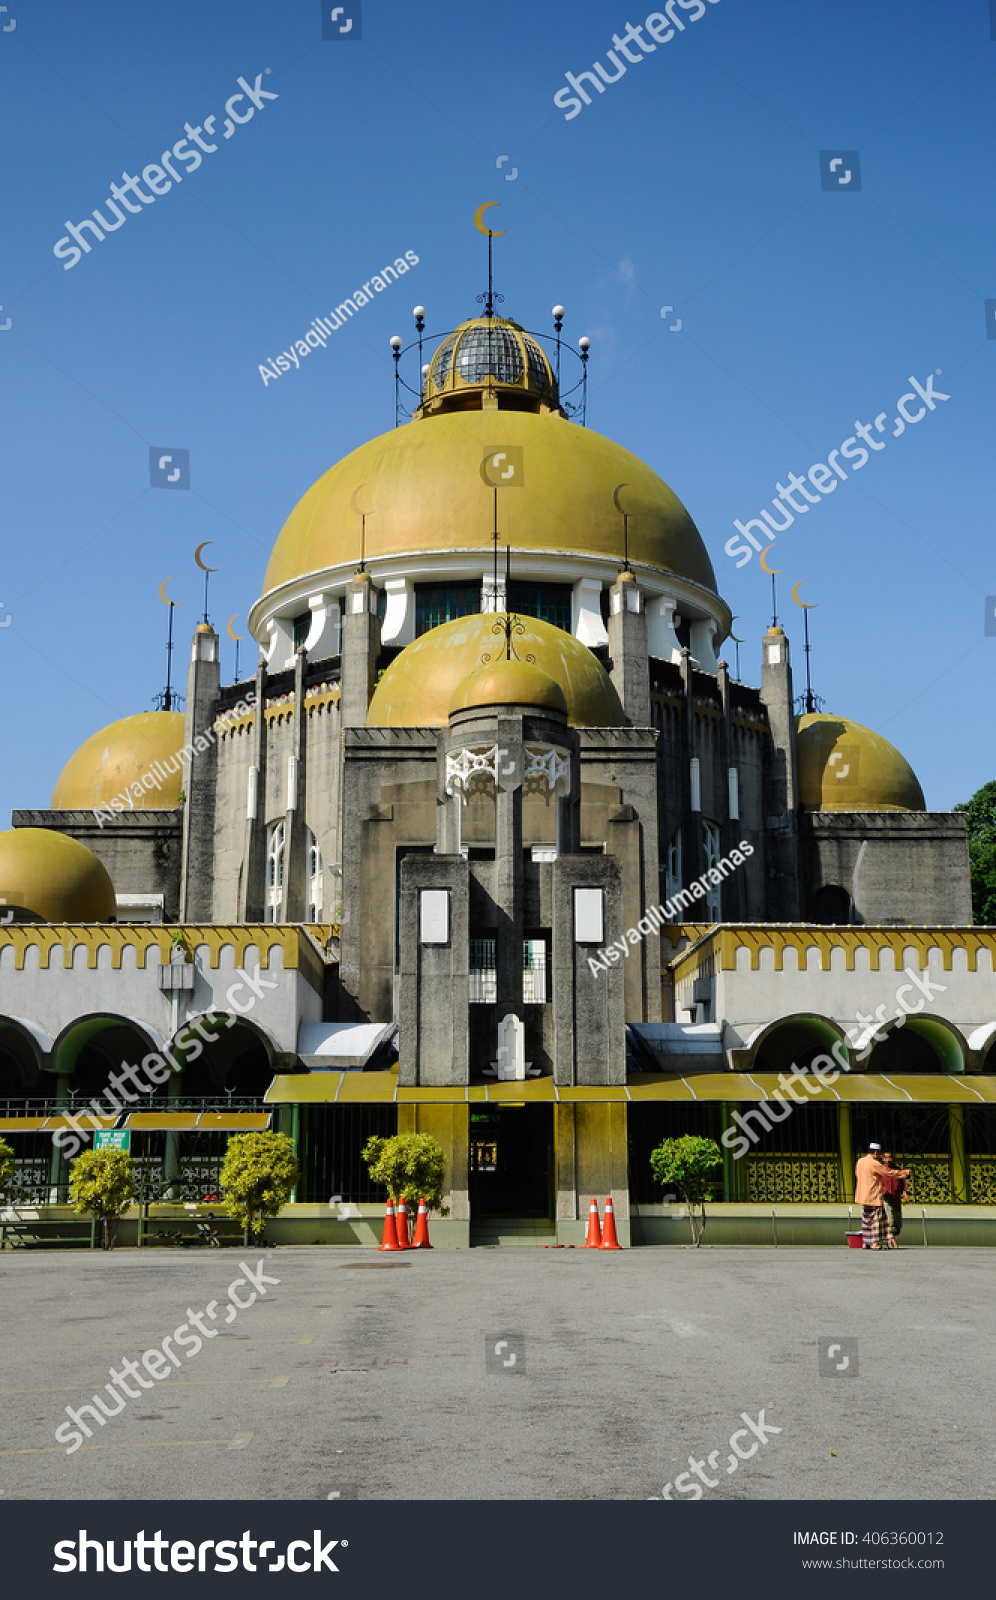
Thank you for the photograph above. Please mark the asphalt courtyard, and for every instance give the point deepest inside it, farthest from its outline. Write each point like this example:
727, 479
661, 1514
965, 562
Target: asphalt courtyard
363, 1377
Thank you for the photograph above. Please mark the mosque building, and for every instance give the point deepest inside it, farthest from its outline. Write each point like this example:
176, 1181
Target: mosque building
494, 846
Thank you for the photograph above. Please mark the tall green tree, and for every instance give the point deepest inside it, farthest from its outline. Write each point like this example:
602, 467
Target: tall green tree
257, 1176
102, 1182
686, 1163
981, 814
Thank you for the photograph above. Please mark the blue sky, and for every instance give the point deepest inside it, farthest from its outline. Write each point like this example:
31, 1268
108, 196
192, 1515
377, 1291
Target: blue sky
692, 181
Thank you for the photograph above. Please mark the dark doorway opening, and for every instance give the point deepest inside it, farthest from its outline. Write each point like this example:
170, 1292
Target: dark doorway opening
511, 1162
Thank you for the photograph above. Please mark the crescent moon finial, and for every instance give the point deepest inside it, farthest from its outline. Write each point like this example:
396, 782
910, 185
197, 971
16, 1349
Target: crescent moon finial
197, 556
615, 498
802, 603
772, 572
478, 220
163, 595
231, 635
352, 501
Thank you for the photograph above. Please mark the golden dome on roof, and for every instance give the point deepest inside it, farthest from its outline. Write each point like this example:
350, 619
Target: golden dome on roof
509, 683
490, 353
47, 877
419, 686
844, 766
422, 491
111, 761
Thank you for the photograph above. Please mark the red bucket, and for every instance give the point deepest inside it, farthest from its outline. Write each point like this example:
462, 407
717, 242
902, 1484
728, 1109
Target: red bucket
853, 1241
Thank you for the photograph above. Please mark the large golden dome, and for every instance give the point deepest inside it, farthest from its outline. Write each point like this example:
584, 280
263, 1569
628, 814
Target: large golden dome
422, 489
120, 755
47, 877
843, 766
418, 687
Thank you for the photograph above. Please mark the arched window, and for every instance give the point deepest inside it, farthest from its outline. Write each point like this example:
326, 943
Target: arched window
275, 856
672, 872
712, 848
315, 874
831, 905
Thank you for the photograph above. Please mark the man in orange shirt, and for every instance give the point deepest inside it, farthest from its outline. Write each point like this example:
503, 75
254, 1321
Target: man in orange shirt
868, 1193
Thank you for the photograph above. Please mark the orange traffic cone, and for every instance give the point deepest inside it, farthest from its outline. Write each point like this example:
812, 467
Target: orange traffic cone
609, 1240
594, 1238
421, 1239
402, 1225
390, 1239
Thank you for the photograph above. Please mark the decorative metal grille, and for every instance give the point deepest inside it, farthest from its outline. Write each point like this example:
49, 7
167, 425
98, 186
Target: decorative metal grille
983, 1175
793, 1178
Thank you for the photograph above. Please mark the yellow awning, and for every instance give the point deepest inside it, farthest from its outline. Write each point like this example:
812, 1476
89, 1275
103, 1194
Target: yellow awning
381, 1088
233, 1121
86, 1120
162, 1121
850, 1088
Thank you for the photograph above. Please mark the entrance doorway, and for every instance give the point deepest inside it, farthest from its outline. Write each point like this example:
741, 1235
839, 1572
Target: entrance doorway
511, 1175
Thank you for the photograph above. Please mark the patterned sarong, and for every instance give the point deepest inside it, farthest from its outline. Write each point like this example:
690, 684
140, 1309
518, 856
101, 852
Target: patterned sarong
873, 1230
893, 1218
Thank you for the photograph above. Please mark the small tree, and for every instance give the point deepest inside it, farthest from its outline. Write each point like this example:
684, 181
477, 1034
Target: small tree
257, 1176
103, 1183
6, 1167
685, 1162
409, 1164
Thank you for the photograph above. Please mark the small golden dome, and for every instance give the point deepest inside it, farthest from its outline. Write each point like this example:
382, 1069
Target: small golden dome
509, 683
489, 353
47, 877
118, 757
844, 766
418, 687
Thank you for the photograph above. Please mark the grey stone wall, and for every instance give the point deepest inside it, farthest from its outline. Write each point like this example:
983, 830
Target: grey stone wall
896, 867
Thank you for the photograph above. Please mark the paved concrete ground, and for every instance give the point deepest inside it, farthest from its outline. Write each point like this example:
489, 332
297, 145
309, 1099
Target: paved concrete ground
365, 1377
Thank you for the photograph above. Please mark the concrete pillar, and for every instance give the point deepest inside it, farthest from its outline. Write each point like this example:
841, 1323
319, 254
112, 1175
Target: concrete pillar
200, 779
961, 1183
629, 663
252, 884
588, 1006
434, 1031
509, 872
846, 1152
450, 1125
360, 650
294, 908
781, 790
